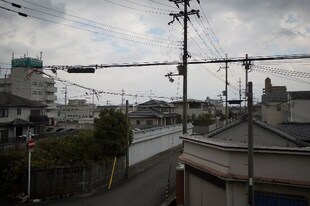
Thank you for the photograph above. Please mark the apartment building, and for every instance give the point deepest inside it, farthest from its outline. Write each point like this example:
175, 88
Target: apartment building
26, 80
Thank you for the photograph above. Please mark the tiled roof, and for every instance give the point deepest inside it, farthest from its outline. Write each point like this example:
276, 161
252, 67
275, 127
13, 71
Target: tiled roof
274, 97
300, 95
10, 100
156, 103
228, 135
298, 130
145, 112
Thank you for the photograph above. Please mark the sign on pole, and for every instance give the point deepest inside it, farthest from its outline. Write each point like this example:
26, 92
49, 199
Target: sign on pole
31, 144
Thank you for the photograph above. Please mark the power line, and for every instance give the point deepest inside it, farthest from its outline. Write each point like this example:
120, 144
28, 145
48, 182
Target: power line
135, 9
149, 7
204, 15
162, 4
87, 30
204, 61
208, 35
84, 19
202, 39
93, 26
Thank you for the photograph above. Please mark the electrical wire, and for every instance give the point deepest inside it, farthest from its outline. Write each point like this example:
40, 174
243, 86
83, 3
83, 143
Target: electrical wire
87, 30
135, 9
204, 42
95, 22
149, 7
204, 15
162, 4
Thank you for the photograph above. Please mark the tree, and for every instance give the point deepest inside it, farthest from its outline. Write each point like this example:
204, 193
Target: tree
203, 120
111, 132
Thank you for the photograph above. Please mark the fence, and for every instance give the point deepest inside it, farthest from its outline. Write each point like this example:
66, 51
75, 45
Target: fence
72, 180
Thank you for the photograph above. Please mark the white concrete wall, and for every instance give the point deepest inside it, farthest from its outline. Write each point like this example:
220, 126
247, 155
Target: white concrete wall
150, 142
299, 110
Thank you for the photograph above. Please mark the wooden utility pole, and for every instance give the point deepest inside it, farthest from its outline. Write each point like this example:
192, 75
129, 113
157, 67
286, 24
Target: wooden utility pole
127, 140
226, 84
185, 15
250, 146
185, 69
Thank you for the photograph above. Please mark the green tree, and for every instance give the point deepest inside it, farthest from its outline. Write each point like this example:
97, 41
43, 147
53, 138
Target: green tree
111, 132
203, 120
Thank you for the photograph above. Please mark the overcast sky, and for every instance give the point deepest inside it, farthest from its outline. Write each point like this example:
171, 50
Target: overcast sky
125, 31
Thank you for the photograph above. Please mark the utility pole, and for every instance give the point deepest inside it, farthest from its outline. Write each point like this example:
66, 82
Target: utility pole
123, 99
250, 146
226, 84
127, 140
247, 64
65, 106
185, 15
240, 94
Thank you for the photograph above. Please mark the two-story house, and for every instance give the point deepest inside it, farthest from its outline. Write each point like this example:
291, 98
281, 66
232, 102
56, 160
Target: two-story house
194, 108
19, 115
281, 106
153, 113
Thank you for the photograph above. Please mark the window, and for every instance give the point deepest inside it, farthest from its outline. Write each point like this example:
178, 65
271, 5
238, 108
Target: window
149, 122
19, 111
279, 108
138, 122
34, 92
265, 199
4, 136
40, 93
4, 112
34, 83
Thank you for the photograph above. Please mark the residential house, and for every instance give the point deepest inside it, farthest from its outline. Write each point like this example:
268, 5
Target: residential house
216, 167
153, 113
194, 108
281, 106
298, 106
274, 108
18, 116
26, 80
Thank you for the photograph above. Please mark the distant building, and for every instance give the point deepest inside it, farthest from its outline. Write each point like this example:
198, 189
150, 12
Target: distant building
216, 171
194, 108
281, 106
18, 115
269, 88
153, 113
75, 110
26, 80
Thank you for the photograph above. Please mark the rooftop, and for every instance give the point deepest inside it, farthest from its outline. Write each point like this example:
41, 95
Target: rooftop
11, 100
235, 135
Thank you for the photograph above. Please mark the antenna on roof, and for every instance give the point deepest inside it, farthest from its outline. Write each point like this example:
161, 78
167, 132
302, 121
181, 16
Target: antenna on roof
41, 52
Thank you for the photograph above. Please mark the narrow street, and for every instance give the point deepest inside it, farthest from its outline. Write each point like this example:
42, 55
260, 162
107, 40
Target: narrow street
145, 186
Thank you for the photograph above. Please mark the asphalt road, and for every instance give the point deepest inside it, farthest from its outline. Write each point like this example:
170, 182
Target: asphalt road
145, 186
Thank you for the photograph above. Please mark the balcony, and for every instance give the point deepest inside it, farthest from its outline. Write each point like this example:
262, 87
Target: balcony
51, 89
43, 119
50, 97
